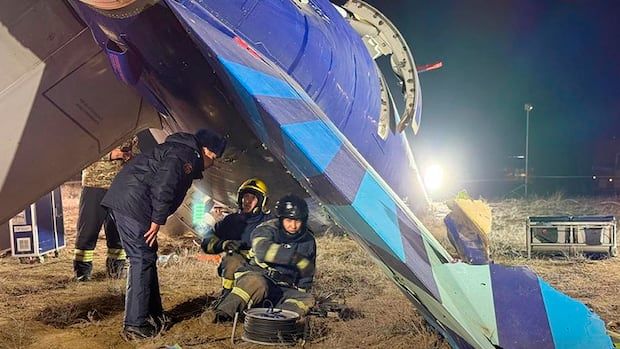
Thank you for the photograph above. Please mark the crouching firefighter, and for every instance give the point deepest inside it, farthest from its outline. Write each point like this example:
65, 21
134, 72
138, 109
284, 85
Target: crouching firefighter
233, 234
282, 269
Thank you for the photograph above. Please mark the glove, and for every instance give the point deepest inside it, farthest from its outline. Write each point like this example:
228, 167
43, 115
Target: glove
230, 246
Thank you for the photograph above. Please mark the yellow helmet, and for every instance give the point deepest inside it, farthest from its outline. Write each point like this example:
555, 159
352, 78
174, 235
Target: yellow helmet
257, 187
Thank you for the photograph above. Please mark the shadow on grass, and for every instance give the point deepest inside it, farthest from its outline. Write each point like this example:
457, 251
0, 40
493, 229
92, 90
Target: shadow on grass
190, 309
86, 311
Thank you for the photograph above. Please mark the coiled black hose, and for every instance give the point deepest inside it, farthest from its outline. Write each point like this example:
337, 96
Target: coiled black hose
271, 327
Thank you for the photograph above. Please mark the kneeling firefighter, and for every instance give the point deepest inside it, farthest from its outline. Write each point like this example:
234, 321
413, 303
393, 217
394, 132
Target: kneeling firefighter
282, 270
233, 233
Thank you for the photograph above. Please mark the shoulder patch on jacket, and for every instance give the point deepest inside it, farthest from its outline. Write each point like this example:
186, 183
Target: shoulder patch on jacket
187, 168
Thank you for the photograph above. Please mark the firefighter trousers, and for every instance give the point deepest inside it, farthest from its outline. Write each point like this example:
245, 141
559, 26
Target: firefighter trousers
228, 267
91, 217
256, 289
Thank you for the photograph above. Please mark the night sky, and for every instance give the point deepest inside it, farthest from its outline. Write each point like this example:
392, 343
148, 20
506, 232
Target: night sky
561, 56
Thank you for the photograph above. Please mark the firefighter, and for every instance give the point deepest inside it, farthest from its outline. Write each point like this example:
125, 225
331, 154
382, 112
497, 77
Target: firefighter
232, 234
96, 179
142, 196
282, 270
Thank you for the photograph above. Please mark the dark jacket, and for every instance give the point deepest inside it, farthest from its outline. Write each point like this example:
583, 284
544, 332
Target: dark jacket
235, 226
292, 257
152, 186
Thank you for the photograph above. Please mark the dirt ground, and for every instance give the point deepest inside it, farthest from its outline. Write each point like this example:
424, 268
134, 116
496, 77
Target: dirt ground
42, 307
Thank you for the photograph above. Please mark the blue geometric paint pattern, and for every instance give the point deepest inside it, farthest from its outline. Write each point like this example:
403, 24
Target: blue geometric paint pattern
316, 141
297, 161
252, 109
520, 313
258, 83
573, 325
379, 211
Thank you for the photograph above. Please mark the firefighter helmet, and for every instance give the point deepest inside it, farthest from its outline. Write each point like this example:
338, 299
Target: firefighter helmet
257, 187
291, 206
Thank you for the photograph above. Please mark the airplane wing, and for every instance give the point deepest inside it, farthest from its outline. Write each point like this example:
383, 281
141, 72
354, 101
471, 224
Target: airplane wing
485, 306
62, 106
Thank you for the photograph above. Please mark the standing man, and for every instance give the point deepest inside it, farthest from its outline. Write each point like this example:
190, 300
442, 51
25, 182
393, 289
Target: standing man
96, 179
141, 198
233, 234
282, 270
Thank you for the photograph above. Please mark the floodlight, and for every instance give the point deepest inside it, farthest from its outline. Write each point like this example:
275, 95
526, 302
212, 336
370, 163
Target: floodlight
434, 178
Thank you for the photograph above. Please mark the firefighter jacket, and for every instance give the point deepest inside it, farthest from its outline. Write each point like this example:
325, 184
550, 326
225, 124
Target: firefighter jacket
152, 186
101, 173
235, 226
285, 258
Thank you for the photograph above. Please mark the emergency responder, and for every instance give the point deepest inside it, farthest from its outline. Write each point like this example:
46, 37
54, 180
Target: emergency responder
282, 270
142, 196
96, 179
232, 234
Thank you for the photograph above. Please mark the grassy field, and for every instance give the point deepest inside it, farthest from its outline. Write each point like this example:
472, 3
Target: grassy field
41, 307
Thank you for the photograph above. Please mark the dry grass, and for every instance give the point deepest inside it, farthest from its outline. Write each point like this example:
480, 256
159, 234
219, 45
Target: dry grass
41, 307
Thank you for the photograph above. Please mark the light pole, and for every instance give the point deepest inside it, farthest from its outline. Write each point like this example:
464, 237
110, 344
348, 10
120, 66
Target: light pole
528, 108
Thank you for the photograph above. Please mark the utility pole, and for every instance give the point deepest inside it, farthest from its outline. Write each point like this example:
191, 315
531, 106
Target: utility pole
528, 108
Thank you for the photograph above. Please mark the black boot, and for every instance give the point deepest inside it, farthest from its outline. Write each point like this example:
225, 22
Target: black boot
83, 270
139, 332
230, 305
116, 268
215, 316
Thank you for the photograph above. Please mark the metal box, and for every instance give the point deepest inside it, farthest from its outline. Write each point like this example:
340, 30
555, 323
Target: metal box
39, 229
589, 234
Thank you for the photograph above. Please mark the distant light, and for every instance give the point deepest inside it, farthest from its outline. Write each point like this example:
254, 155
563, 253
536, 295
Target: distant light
611, 179
594, 177
434, 177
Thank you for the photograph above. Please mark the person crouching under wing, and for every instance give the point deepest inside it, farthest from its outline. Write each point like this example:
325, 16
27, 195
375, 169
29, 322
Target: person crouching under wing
282, 270
233, 234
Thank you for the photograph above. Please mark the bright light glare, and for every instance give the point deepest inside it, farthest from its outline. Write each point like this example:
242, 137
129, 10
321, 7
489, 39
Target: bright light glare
434, 177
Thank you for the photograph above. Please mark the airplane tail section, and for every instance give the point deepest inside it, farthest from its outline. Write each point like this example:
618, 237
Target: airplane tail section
513, 308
